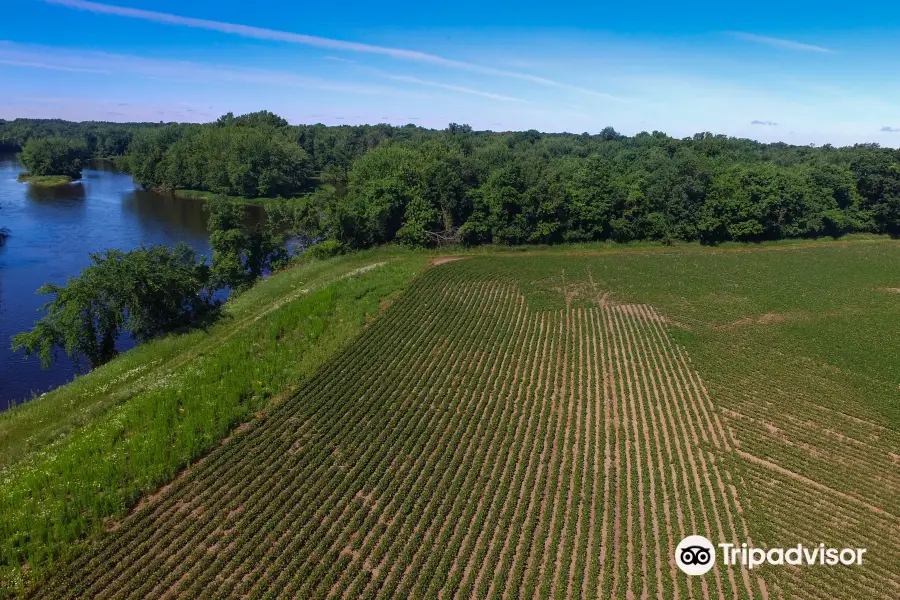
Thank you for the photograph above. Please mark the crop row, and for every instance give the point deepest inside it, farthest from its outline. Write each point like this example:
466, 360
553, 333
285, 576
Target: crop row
467, 445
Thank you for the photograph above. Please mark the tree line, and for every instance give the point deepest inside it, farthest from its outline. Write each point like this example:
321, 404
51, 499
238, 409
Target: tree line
350, 187
460, 186
100, 139
365, 185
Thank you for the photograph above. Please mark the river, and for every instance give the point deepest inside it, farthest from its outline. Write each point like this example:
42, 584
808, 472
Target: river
52, 233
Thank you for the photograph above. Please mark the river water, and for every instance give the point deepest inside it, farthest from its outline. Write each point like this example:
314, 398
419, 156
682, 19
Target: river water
52, 233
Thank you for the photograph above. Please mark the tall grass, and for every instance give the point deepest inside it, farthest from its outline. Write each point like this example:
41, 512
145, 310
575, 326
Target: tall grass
88, 450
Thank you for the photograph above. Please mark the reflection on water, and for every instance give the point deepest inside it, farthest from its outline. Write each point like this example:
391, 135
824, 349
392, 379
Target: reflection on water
162, 210
56, 193
54, 230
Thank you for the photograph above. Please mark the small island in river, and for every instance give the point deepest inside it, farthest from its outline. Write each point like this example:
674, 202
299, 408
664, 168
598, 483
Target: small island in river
44, 180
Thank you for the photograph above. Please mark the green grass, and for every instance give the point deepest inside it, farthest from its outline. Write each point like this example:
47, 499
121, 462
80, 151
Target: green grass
88, 450
44, 180
202, 195
372, 456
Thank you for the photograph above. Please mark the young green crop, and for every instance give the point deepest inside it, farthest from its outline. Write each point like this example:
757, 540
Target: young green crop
549, 425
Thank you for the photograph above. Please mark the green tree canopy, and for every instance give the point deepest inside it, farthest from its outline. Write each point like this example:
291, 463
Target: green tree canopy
241, 253
145, 292
371, 184
54, 156
251, 156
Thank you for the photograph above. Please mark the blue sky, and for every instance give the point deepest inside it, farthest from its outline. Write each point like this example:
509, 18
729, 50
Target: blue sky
799, 71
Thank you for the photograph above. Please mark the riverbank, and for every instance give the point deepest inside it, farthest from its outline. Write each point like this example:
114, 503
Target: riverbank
53, 232
44, 180
161, 406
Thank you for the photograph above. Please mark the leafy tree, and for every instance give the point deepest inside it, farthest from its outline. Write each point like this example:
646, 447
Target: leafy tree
307, 218
146, 292
382, 184
608, 134
377, 184
261, 118
241, 253
147, 152
592, 193
242, 156
54, 156
878, 183
457, 129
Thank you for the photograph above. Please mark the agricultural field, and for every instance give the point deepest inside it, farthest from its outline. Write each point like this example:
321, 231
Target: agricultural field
87, 451
551, 425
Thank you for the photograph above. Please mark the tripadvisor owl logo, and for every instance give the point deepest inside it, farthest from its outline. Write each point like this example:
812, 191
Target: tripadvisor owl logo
695, 555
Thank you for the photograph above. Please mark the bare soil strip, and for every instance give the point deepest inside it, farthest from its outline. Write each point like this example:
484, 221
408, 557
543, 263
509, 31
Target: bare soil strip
596, 375
631, 416
644, 397
535, 465
562, 456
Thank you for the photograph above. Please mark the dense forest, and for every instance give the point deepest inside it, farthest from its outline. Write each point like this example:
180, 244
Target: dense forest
349, 187
101, 140
363, 185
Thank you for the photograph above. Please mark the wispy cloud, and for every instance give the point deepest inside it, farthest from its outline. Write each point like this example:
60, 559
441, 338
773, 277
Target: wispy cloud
454, 88
109, 64
49, 66
339, 59
318, 42
887, 129
425, 82
764, 123
777, 42
91, 108
124, 64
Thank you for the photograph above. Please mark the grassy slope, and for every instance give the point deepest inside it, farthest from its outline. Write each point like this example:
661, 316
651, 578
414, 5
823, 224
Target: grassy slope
89, 449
